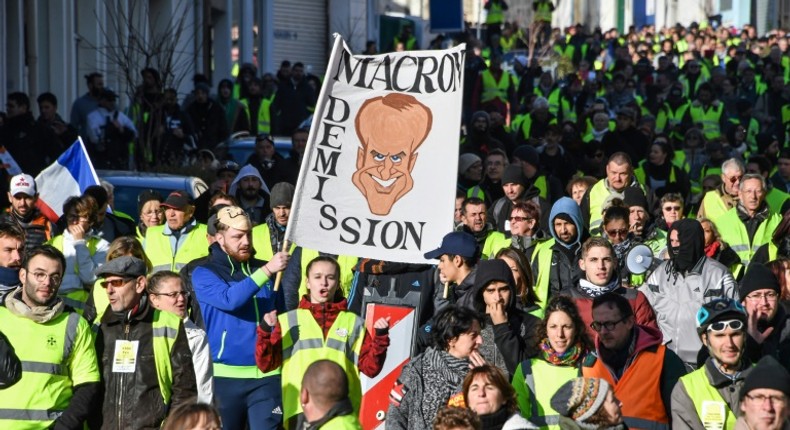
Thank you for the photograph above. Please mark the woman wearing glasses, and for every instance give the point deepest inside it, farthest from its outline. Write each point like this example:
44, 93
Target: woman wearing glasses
166, 293
564, 347
149, 211
84, 249
617, 230
525, 227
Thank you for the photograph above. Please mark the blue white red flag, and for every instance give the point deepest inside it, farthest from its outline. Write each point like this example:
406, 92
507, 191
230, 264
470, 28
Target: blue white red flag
68, 176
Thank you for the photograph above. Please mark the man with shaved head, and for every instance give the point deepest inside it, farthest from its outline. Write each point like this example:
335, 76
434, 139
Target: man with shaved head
324, 398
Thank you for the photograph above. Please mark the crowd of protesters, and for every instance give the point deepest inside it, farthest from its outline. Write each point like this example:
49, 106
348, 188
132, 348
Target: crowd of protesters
620, 256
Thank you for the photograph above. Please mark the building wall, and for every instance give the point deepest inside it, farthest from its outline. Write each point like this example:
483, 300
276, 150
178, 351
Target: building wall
50, 45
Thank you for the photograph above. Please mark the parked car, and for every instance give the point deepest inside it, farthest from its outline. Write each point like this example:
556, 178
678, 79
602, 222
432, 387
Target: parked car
128, 186
241, 145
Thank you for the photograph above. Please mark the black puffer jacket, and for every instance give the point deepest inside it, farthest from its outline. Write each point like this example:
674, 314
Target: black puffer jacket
10, 367
132, 401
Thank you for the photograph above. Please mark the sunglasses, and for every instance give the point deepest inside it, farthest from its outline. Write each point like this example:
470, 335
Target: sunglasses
734, 179
519, 219
672, 208
618, 232
722, 325
115, 283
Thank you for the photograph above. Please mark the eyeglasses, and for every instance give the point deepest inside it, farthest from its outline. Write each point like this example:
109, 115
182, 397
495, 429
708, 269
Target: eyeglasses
159, 211
761, 398
672, 208
618, 232
609, 325
115, 283
770, 296
734, 179
43, 276
519, 219
722, 325
174, 295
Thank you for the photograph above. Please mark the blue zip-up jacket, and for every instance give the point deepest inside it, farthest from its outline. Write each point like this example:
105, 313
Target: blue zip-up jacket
232, 304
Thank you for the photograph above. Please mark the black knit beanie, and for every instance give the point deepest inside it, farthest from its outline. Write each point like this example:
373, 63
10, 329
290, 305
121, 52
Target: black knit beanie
758, 277
768, 373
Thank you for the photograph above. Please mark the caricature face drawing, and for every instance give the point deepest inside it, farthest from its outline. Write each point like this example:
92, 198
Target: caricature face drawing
390, 129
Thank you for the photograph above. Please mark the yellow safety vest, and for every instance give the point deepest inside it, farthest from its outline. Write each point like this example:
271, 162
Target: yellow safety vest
75, 298
775, 199
407, 45
535, 382
56, 356
495, 14
157, 248
543, 13
343, 422
711, 407
641, 175
667, 119
543, 253
708, 118
493, 243
493, 89
714, 205
303, 344
346, 262
598, 195
165, 329
734, 233
262, 241
264, 114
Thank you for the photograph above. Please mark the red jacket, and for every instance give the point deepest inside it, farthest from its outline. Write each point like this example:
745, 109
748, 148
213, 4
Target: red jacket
269, 351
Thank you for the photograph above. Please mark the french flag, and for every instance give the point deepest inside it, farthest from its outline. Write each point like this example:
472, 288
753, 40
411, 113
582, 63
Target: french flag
68, 176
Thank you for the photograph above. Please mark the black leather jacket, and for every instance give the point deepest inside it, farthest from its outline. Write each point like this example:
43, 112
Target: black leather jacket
133, 400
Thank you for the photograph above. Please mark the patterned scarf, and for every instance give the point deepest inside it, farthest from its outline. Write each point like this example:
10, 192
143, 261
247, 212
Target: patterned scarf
568, 358
592, 290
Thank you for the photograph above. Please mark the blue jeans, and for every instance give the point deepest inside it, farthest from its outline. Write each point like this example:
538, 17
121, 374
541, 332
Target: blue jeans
256, 402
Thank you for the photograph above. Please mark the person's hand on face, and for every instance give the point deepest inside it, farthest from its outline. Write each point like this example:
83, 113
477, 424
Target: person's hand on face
77, 231
476, 360
497, 312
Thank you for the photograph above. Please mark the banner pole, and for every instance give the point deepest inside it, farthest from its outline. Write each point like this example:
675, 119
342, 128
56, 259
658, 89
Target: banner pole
279, 276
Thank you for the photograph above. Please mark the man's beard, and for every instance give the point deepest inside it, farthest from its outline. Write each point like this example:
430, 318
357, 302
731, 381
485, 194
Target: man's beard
239, 257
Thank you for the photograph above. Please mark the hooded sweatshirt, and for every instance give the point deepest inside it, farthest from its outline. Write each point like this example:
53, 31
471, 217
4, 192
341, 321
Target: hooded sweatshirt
261, 209
504, 345
564, 268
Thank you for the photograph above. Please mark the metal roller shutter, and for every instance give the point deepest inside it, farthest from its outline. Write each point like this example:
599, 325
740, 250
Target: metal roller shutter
300, 33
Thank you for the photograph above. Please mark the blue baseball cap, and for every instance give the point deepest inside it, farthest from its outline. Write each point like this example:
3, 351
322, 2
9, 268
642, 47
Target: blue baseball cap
455, 243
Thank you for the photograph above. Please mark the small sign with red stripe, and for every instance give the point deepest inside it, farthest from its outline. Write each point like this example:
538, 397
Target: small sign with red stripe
376, 391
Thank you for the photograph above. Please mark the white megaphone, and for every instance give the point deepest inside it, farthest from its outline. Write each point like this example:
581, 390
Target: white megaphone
639, 259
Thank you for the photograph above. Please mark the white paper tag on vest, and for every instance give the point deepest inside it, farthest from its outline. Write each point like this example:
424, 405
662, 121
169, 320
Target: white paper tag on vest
125, 358
713, 415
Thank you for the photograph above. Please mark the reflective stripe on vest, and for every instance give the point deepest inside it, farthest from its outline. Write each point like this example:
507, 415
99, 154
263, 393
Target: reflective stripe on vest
493, 89
638, 389
165, 329
346, 270
264, 120
699, 391
708, 118
159, 251
734, 233
303, 343
45, 350
542, 380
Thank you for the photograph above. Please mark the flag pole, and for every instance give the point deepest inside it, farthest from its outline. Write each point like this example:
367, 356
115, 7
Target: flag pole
338, 46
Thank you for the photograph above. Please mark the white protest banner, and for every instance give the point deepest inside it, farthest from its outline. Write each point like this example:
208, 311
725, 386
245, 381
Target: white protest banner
379, 173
